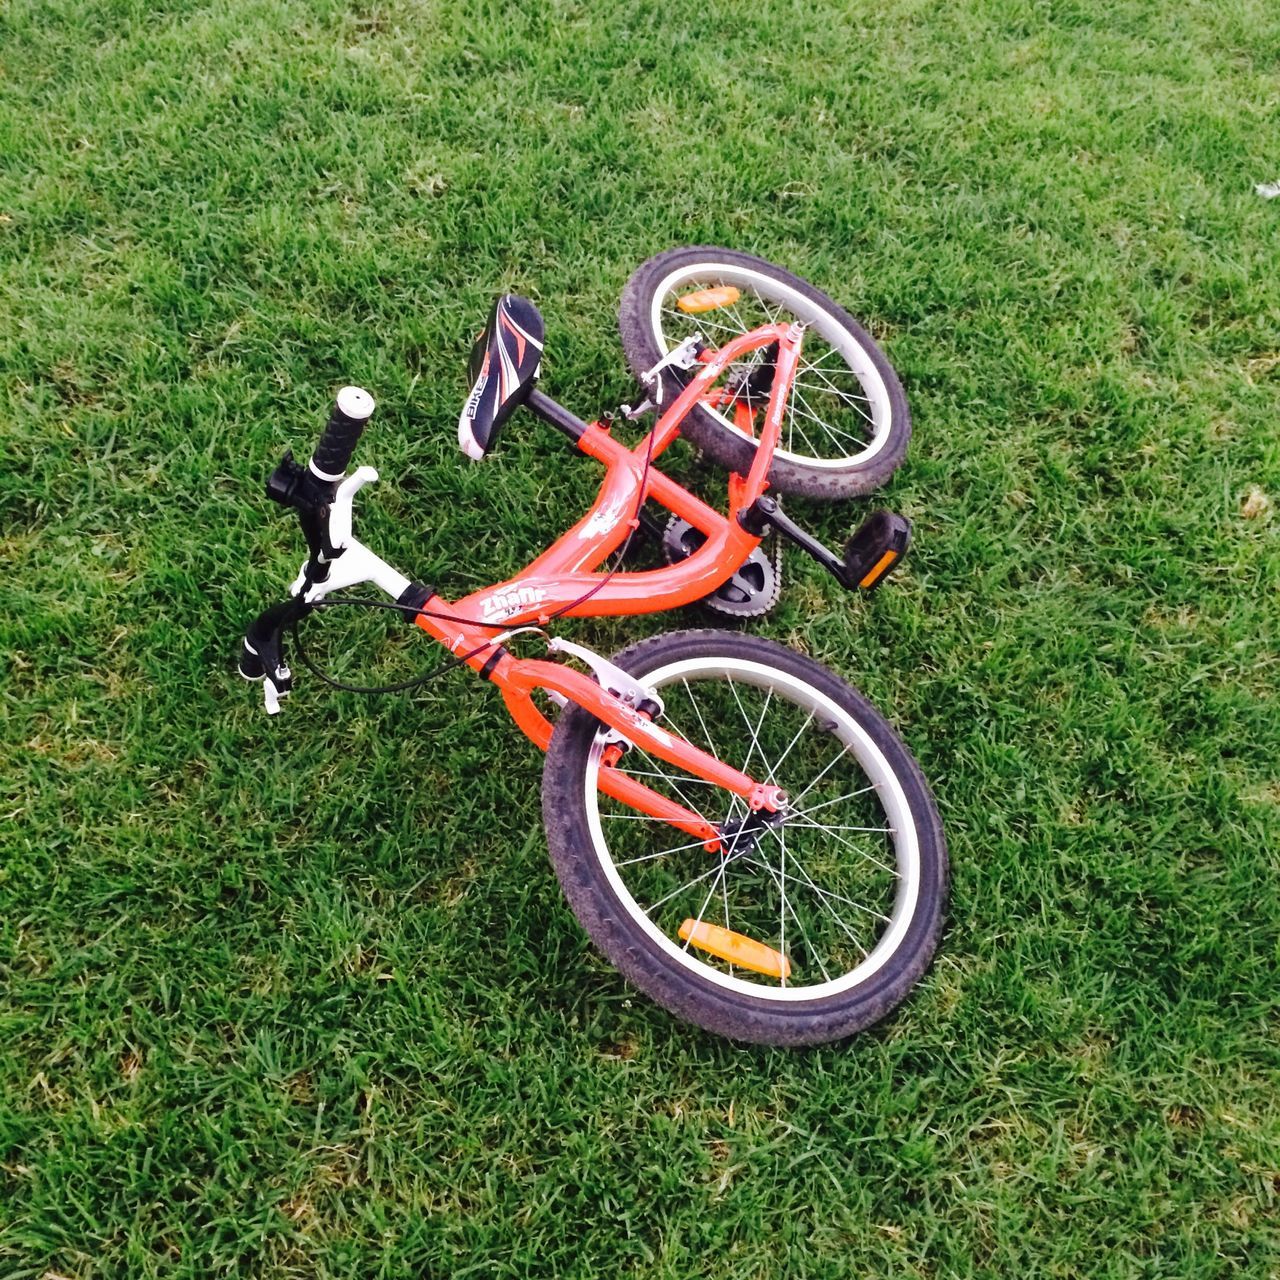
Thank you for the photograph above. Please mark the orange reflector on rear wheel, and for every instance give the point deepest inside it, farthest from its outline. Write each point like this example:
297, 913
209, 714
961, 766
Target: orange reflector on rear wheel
700, 300
736, 948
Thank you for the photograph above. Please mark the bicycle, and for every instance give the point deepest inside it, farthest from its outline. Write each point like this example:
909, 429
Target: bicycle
737, 829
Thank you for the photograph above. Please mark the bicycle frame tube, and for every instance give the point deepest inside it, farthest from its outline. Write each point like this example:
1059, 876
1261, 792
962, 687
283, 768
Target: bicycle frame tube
568, 570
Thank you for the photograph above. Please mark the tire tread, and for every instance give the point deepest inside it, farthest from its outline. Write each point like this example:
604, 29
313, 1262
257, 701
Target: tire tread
606, 922
705, 431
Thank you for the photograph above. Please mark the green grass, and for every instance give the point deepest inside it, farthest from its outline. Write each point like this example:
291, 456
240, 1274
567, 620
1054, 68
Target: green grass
301, 998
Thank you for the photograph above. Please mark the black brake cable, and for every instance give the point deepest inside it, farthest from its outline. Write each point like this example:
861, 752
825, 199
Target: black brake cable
399, 686
450, 664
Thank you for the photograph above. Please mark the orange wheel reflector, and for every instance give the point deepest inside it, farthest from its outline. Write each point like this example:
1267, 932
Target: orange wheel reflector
736, 948
879, 569
701, 300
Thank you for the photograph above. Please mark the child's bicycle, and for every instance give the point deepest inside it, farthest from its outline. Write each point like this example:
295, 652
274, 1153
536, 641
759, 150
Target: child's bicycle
738, 830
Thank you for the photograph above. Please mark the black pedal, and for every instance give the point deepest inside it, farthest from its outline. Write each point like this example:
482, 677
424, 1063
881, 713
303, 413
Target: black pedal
873, 551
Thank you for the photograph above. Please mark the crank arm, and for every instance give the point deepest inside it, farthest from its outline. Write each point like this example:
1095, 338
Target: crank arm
869, 555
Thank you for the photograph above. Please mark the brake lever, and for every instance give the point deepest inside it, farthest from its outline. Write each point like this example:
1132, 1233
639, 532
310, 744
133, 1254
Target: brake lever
262, 651
351, 562
340, 507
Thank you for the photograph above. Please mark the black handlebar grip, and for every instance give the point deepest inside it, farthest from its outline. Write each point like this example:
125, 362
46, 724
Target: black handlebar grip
351, 412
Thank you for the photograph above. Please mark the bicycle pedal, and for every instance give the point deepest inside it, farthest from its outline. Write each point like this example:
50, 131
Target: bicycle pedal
874, 550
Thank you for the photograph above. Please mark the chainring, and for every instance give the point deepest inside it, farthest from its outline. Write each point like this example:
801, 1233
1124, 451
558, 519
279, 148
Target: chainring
755, 585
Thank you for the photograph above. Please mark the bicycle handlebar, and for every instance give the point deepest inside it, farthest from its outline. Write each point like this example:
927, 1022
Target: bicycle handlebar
351, 413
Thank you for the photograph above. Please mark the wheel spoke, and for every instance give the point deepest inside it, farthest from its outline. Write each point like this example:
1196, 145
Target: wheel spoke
828, 893
793, 426
802, 813
800, 818
688, 884
804, 933
764, 304
805, 409
711, 746
824, 357
836, 826
826, 768
795, 405
773, 769
711, 893
830, 910
662, 853
725, 859
782, 911
742, 325
828, 385
845, 401
831, 387
755, 733
724, 894
814, 826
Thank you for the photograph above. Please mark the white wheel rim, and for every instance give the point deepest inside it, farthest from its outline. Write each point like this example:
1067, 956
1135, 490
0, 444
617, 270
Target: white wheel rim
769, 290
879, 774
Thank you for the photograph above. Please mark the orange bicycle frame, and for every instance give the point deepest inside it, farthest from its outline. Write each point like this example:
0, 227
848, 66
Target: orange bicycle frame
565, 581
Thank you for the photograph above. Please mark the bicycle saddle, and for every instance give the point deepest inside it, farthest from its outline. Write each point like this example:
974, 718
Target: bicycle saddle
505, 363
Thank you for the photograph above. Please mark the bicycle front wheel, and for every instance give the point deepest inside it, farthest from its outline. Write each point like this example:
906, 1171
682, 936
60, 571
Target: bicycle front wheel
802, 928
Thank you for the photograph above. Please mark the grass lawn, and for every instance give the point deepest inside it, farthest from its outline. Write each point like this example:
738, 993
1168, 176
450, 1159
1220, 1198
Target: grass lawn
300, 997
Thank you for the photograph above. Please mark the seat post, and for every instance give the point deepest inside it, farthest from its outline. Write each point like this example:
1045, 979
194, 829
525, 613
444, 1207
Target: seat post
544, 407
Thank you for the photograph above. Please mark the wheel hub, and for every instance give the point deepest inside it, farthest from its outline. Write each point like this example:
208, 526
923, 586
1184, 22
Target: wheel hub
742, 834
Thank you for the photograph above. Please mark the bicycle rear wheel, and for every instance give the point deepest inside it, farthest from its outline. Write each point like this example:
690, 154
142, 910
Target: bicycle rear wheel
798, 930
847, 424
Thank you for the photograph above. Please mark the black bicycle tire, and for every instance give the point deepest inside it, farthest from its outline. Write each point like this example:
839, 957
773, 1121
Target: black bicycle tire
608, 923
708, 433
